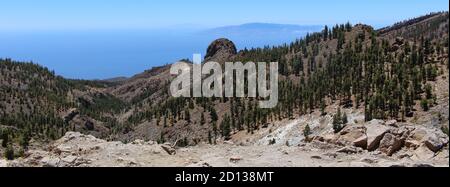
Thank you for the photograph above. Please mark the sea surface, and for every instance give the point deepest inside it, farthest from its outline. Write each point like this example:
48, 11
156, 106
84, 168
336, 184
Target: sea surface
108, 54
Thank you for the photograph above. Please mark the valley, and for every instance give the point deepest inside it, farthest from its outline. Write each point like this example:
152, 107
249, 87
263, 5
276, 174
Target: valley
349, 96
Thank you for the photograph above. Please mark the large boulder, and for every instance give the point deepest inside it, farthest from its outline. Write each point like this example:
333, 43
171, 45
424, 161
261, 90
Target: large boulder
390, 144
423, 153
375, 131
361, 142
433, 139
352, 132
50, 161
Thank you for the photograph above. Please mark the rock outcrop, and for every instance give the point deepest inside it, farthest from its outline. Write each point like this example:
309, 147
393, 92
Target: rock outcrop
220, 50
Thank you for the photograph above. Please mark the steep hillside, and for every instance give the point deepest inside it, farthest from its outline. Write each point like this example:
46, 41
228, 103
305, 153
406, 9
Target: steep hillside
40, 106
352, 66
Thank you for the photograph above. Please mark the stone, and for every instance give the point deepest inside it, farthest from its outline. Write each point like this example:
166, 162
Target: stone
138, 142
375, 132
390, 144
169, 149
69, 159
318, 138
423, 153
228, 142
423, 165
412, 144
235, 159
50, 162
361, 142
3, 163
392, 123
369, 160
348, 150
433, 139
331, 155
434, 143
350, 134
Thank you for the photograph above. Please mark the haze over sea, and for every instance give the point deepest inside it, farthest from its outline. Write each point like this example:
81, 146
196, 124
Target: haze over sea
100, 39
107, 54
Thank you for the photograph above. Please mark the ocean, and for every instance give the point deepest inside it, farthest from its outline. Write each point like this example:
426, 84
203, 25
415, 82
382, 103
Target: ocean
108, 54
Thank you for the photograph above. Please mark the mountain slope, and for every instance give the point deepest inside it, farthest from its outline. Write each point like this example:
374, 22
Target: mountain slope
392, 73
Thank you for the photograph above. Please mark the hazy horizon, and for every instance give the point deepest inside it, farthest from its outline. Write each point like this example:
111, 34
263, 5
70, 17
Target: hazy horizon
103, 39
109, 54
104, 54
48, 15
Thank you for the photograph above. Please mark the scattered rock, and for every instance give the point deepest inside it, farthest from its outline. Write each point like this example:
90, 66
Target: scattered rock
369, 160
350, 134
50, 162
361, 142
235, 159
412, 144
375, 132
422, 153
404, 155
228, 142
433, 139
3, 163
348, 150
169, 149
69, 159
423, 165
435, 143
138, 142
318, 138
390, 144
392, 123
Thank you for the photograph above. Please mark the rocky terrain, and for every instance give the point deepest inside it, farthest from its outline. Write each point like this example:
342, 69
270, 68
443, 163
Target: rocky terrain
390, 84
374, 144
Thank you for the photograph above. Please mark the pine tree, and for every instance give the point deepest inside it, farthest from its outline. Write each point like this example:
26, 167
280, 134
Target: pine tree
428, 91
225, 127
424, 104
202, 119
325, 32
338, 121
344, 119
213, 114
187, 116
307, 131
5, 139
9, 153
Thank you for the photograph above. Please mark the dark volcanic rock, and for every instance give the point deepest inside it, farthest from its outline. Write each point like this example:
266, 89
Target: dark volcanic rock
220, 50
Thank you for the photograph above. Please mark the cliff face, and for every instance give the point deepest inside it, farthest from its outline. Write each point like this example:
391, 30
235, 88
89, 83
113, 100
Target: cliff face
220, 50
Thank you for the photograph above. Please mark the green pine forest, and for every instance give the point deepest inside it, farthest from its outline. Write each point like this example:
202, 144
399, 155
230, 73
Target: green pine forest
352, 66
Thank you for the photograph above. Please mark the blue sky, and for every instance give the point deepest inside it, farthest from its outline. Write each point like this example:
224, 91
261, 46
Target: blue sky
32, 15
